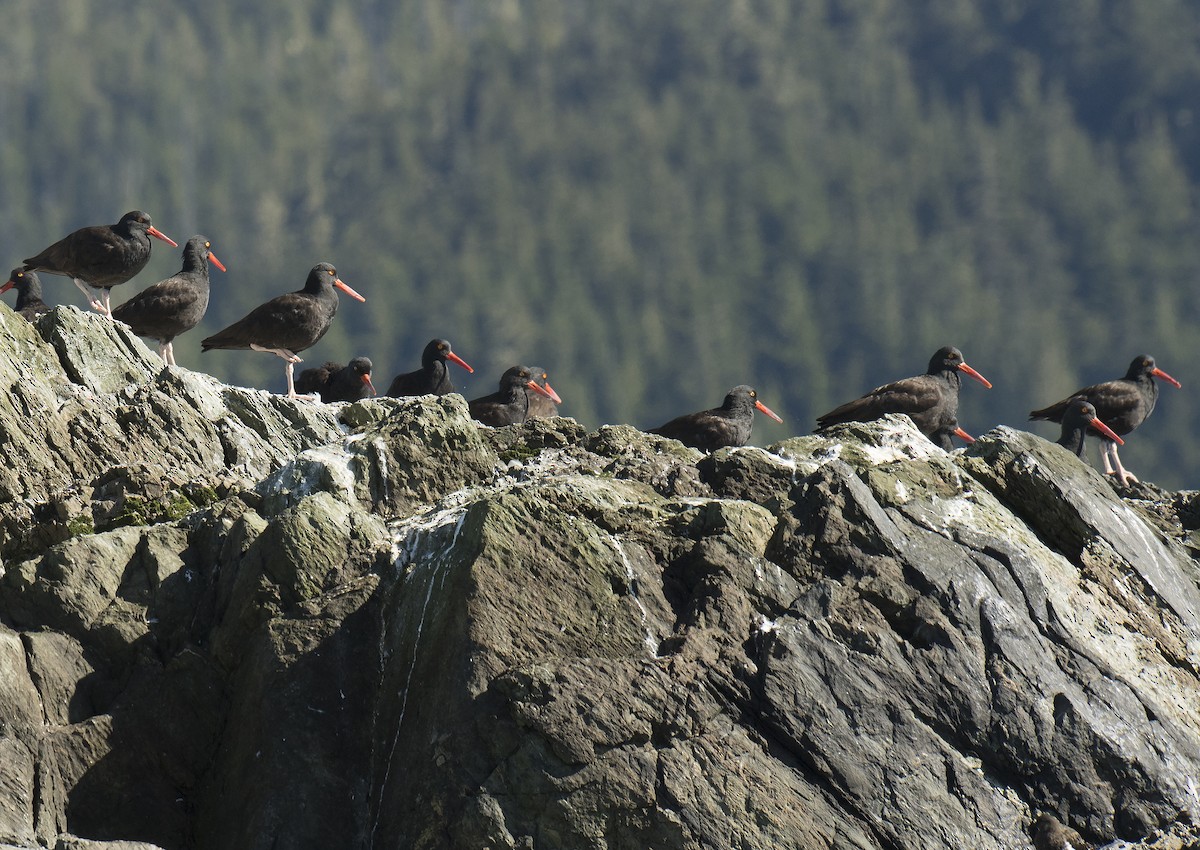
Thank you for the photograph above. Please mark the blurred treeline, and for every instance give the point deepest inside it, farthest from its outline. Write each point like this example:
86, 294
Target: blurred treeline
654, 199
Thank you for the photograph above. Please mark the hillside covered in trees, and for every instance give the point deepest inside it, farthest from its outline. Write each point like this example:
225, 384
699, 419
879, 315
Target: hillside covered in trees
653, 200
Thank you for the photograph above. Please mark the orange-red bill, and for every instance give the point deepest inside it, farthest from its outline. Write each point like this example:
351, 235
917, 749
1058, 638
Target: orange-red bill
1159, 373
450, 355
1106, 431
338, 283
8, 286
537, 388
553, 395
158, 234
212, 258
766, 411
366, 379
963, 435
963, 367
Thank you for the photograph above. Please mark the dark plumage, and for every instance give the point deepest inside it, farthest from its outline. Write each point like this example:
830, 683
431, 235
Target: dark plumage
101, 256
433, 378
288, 323
1080, 415
942, 437
1050, 834
542, 406
29, 293
170, 307
509, 406
335, 382
930, 400
1122, 404
727, 425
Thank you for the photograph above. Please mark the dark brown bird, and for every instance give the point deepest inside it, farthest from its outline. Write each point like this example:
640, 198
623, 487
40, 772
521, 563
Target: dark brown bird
288, 323
942, 437
509, 406
727, 425
101, 256
930, 400
1080, 415
1050, 834
175, 305
335, 382
1122, 404
433, 378
29, 293
542, 405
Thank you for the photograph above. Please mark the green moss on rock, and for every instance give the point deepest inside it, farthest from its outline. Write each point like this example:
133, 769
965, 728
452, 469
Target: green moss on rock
81, 524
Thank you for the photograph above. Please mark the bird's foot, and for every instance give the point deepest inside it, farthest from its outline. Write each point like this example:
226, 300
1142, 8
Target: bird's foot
95, 303
304, 396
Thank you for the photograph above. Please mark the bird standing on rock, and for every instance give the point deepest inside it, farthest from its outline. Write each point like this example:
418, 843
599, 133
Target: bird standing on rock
288, 323
1049, 833
335, 382
175, 305
101, 256
433, 378
29, 293
509, 406
1080, 415
727, 425
930, 400
1122, 404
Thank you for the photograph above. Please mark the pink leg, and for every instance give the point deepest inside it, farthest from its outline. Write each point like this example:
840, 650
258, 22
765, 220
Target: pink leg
87, 293
1123, 475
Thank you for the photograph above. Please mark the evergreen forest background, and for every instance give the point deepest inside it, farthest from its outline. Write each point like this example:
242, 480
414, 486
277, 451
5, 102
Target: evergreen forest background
654, 199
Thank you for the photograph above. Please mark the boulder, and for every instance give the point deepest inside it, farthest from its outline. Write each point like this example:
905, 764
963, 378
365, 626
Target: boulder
229, 619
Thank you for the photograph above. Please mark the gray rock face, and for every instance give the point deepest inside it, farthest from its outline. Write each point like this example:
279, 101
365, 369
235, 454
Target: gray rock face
228, 619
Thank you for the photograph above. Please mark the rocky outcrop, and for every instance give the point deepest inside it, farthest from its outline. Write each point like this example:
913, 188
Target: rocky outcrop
232, 620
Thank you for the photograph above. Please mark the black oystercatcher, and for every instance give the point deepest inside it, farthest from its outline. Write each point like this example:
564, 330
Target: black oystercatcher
1080, 415
433, 378
170, 307
942, 437
930, 400
288, 323
29, 293
727, 425
509, 406
335, 382
1050, 834
101, 256
542, 405
1122, 404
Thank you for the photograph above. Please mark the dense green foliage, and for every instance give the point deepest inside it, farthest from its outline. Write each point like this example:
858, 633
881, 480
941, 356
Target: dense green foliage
654, 199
